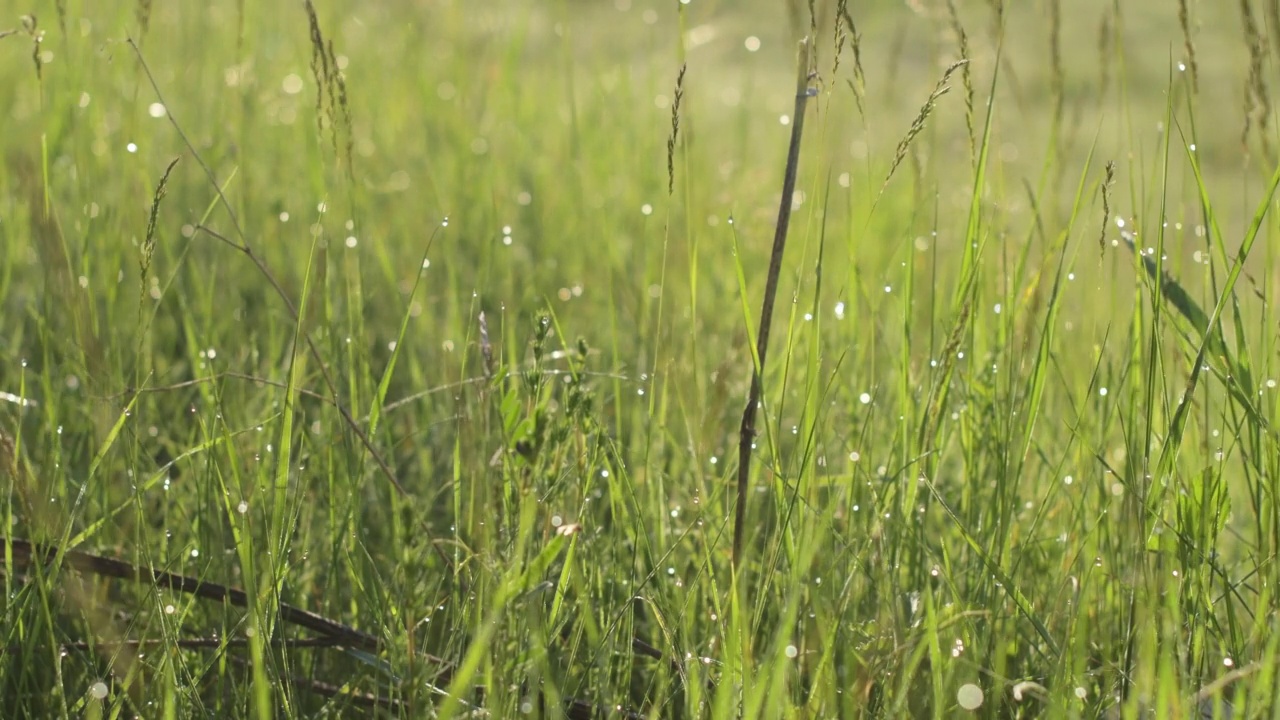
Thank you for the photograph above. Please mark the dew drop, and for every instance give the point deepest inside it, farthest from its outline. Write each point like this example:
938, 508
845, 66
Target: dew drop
970, 696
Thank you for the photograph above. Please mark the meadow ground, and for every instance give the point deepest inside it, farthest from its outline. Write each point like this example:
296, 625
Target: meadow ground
414, 386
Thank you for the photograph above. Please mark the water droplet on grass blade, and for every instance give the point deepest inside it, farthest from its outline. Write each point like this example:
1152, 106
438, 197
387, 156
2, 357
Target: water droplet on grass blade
970, 696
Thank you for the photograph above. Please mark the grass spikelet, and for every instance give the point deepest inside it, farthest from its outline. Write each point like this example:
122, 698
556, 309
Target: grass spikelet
331, 86
966, 76
1184, 21
319, 62
340, 80
675, 129
859, 82
149, 242
840, 35
1106, 206
917, 125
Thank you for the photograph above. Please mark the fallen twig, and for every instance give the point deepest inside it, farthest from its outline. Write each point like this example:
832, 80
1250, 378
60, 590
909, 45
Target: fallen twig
333, 633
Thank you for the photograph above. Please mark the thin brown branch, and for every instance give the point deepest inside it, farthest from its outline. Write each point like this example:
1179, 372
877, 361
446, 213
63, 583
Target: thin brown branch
333, 633
324, 368
202, 643
25, 551
244, 247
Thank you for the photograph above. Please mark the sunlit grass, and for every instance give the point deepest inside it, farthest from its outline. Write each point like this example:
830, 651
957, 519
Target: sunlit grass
416, 382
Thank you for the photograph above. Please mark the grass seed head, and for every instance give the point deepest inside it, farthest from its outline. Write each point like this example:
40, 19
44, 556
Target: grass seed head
675, 129
149, 241
917, 125
331, 86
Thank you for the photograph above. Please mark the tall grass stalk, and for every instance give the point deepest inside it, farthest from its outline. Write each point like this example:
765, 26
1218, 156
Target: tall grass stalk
747, 429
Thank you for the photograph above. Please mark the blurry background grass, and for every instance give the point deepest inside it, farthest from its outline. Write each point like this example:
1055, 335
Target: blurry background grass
1049, 564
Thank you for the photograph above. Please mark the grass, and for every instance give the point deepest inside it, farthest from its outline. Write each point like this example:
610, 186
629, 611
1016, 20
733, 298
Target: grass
390, 360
